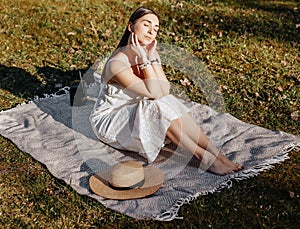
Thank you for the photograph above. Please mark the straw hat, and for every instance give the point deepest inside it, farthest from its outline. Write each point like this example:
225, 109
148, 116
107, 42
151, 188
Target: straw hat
127, 180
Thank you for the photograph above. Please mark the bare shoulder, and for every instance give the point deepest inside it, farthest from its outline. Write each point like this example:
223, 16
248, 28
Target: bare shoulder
120, 70
116, 64
118, 58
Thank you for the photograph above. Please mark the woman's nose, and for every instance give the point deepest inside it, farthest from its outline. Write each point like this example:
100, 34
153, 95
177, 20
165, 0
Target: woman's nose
150, 30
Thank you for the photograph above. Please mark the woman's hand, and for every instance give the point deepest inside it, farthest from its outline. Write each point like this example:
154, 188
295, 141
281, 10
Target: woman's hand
152, 50
137, 48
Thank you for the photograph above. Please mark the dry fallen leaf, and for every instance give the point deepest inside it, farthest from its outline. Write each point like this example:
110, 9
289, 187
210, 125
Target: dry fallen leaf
71, 33
185, 82
295, 115
280, 88
292, 194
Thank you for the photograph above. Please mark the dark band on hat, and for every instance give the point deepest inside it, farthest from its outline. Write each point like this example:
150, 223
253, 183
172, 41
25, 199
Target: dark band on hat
137, 185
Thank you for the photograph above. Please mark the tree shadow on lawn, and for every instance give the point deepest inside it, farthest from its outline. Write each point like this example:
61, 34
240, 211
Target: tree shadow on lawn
268, 19
25, 85
262, 19
269, 6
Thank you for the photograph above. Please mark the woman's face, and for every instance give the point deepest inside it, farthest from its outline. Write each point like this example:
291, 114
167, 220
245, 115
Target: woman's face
145, 28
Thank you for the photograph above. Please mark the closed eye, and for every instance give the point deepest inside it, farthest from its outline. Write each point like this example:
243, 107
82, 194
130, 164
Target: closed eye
147, 24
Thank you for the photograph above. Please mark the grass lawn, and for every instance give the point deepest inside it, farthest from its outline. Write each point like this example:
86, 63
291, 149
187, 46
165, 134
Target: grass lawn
252, 49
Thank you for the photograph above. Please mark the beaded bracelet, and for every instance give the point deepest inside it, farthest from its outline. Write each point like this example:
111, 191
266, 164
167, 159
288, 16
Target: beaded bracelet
155, 60
144, 65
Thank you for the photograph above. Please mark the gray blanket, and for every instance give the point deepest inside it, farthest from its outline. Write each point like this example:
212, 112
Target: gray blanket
60, 137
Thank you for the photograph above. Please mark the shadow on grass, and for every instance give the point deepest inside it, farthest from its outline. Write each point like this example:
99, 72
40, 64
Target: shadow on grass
278, 21
262, 19
47, 80
269, 6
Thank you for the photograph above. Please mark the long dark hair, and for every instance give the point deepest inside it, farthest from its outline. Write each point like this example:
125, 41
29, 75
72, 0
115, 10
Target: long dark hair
140, 12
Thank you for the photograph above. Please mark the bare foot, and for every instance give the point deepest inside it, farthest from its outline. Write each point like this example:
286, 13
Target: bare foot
236, 167
219, 168
219, 165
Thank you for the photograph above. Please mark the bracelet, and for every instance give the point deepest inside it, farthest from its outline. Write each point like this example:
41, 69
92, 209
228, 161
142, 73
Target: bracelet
155, 60
144, 65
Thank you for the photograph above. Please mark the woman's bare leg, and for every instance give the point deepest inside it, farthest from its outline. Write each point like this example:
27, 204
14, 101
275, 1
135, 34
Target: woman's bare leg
201, 139
185, 133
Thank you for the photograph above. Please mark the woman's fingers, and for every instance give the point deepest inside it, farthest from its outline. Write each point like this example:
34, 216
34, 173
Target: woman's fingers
136, 41
132, 38
134, 44
152, 50
154, 43
152, 46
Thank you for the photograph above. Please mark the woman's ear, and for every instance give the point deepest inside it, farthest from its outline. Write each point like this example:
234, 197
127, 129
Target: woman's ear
130, 27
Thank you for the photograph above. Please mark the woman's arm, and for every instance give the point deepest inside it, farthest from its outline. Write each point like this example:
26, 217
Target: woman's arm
155, 61
154, 85
160, 74
155, 70
123, 74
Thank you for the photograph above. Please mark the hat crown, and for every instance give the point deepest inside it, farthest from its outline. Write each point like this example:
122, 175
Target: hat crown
127, 174
147, 180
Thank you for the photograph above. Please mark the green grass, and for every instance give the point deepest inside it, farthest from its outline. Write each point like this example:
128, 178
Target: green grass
252, 49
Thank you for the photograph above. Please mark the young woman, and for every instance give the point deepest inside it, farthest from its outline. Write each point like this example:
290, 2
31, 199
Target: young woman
135, 111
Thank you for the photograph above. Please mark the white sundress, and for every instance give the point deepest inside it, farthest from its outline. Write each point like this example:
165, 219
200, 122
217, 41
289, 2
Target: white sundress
128, 121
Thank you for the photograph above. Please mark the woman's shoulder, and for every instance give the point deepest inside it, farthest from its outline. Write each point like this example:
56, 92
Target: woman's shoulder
119, 57
115, 64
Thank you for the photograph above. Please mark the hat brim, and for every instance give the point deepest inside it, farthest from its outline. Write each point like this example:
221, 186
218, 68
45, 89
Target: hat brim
154, 179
